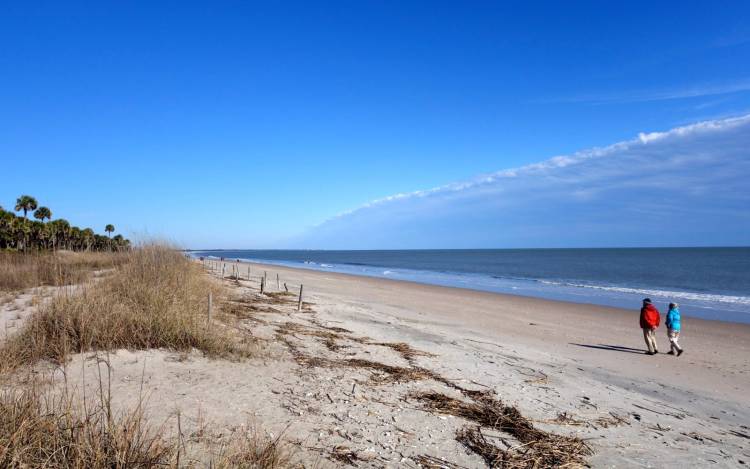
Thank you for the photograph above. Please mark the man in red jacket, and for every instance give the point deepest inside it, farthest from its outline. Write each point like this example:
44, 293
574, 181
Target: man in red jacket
649, 322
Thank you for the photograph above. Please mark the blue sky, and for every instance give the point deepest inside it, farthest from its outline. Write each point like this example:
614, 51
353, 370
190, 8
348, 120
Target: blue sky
239, 124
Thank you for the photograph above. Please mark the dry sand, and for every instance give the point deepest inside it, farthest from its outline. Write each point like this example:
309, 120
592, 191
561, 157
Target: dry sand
545, 357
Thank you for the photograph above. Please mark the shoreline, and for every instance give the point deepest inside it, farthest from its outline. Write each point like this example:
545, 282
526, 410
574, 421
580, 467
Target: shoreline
515, 296
715, 350
698, 304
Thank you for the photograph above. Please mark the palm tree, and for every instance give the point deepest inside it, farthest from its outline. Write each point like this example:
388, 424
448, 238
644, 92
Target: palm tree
43, 212
7, 229
45, 232
75, 238
25, 203
109, 229
60, 231
88, 237
22, 231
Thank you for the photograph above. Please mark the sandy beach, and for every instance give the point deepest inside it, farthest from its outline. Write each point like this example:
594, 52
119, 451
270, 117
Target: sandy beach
297, 235
573, 370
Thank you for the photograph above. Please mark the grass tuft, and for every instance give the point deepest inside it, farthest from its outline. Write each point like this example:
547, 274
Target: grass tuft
254, 451
50, 431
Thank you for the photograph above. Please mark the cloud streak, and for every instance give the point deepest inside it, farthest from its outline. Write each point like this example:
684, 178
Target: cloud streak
685, 186
660, 95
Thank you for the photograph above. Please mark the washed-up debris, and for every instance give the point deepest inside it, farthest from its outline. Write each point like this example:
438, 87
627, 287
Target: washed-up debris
538, 448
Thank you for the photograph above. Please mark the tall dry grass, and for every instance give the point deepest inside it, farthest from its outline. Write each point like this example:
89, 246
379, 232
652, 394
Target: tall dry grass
255, 451
20, 271
155, 298
45, 430
48, 429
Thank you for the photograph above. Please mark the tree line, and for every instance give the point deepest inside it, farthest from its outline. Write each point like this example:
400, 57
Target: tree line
21, 234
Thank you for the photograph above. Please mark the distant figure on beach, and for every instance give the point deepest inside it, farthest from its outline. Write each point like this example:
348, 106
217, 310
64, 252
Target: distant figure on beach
673, 329
649, 322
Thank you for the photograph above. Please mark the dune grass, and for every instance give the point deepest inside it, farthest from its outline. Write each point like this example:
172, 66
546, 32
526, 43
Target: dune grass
256, 451
155, 298
51, 431
48, 429
20, 271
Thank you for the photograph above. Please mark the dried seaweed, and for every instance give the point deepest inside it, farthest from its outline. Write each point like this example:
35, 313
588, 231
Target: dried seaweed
388, 373
431, 462
473, 439
382, 373
330, 328
405, 350
613, 420
344, 454
538, 448
332, 345
564, 418
280, 297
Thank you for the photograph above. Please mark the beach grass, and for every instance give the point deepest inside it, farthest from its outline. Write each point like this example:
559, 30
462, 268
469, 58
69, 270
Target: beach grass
47, 428
150, 297
154, 298
20, 271
256, 451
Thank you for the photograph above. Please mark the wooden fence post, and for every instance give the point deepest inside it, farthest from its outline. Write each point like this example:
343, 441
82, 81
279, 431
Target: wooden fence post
210, 306
285, 287
278, 287
262, 285
299, 303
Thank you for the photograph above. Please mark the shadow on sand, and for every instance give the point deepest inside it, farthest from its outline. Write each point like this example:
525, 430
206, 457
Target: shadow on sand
614, 348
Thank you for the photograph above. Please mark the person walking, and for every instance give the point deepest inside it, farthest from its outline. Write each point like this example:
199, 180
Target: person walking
649, 321
673, 329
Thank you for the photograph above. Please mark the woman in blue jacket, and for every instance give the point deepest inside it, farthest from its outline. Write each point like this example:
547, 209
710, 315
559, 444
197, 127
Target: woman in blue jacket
673, 329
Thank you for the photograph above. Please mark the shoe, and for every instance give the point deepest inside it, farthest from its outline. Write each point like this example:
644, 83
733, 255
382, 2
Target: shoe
679, 352
671, 352
649, 353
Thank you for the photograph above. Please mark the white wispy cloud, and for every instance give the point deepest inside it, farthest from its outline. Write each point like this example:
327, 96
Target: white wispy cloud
700, 168
696, 91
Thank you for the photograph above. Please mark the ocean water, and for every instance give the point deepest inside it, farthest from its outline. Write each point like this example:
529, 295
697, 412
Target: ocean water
709, 283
